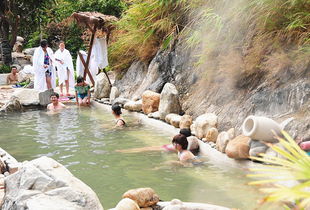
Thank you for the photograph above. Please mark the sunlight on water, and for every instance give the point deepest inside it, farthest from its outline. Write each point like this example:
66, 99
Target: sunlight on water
85, 141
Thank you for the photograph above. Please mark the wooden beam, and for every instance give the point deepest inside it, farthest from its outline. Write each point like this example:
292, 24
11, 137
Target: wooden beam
86, 69
89, 52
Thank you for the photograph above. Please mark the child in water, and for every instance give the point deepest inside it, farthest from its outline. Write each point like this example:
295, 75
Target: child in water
180, 143
82, 92
117, 111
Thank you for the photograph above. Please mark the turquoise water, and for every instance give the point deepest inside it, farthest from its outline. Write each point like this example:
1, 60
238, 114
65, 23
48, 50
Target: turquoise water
85, 141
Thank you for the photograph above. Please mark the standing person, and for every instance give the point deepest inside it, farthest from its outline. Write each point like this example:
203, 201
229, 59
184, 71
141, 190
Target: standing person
55, 105
82, 92
117, 111
64, 64
44, 73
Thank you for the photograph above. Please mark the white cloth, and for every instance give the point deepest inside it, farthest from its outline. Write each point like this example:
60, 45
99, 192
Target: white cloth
100, 52
93, 67
39, 70
62, 69
28, 69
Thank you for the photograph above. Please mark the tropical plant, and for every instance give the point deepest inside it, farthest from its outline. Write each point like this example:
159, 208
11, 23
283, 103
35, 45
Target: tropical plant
291, 168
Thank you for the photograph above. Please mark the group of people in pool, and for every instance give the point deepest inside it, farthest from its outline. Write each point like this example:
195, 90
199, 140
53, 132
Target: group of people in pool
183, 143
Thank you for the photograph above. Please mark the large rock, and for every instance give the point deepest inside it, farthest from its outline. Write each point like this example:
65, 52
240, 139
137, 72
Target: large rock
45, 97
238, 148
127, 204
120, 101
114, 94
212, 135
18, 47
45, 184
27, 97
204, 123
12, 105
257, 147
222, 141
169, 101
144, 197
150, 101
186, 121
102, 86
20, 39
173, 119
154, 115
135, 106
29, 51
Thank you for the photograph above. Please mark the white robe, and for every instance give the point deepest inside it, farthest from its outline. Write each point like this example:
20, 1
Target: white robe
62, 69
100, 52
39, 70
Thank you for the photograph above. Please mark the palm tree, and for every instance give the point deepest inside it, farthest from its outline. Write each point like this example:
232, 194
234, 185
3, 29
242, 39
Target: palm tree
292, 167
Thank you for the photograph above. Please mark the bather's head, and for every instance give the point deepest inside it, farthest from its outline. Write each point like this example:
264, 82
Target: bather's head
43, 43
13, 70
116, 109
62, 45
79, 80
54, 98
186, 132
180, 142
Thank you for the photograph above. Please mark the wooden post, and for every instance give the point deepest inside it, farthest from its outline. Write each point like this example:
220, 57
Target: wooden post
89, 53
86, 68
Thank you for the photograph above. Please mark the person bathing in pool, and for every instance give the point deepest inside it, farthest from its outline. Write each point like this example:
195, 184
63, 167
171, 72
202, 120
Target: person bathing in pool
180, 143
82, 92
55, 105
117, 111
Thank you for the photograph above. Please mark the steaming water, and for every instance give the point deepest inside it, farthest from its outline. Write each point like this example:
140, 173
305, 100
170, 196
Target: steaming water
85, 141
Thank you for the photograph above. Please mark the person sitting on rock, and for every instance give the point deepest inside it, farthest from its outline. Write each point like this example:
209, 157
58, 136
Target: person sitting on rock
82, 92
180, 143
55, 105
12, 78
117, 111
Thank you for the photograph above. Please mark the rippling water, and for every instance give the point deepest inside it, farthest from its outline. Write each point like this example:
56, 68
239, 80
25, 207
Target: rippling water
85, 141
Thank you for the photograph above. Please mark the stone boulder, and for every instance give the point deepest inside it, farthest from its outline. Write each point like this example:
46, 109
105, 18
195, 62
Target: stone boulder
144, 197
186, 121
257, 147
13, 105
154, 115
238, 148
114, 94
127, 204
222, 141
27, 97
45, 97
176, 204
169, 101
102, 86
29, 51
173, 119
204, 123
20, 39
135, 106
212, 135
18, 47
150, 101
120, 101
45, 184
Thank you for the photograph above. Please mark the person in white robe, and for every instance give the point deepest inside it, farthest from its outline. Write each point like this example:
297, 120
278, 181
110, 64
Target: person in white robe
64, 65
43, 64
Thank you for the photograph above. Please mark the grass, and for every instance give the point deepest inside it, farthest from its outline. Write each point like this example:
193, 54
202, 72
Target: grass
292, 165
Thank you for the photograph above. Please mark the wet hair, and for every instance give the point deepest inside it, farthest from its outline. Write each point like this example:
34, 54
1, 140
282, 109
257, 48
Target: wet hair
43, 43
181, 140
186, 132
55, 94
79, 79
117, 109
13, 67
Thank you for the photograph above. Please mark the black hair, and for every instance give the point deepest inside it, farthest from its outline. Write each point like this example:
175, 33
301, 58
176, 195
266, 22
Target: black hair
181, 140
79, 79
13, 67
117, 109
61, 41
54, 94
43, 43
186, 132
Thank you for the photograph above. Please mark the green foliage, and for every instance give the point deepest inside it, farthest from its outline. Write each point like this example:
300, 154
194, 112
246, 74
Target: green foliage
293, 165
145, 27
5, 69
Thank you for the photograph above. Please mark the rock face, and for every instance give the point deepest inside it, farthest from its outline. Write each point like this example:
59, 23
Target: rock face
127, 204
150, 101
135, 106
102, 87
114, 94
169, 101
257, 147
43, 183
204, 123
173, 119
27, 97
12, 105
144, 197
238, 148
186, 121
